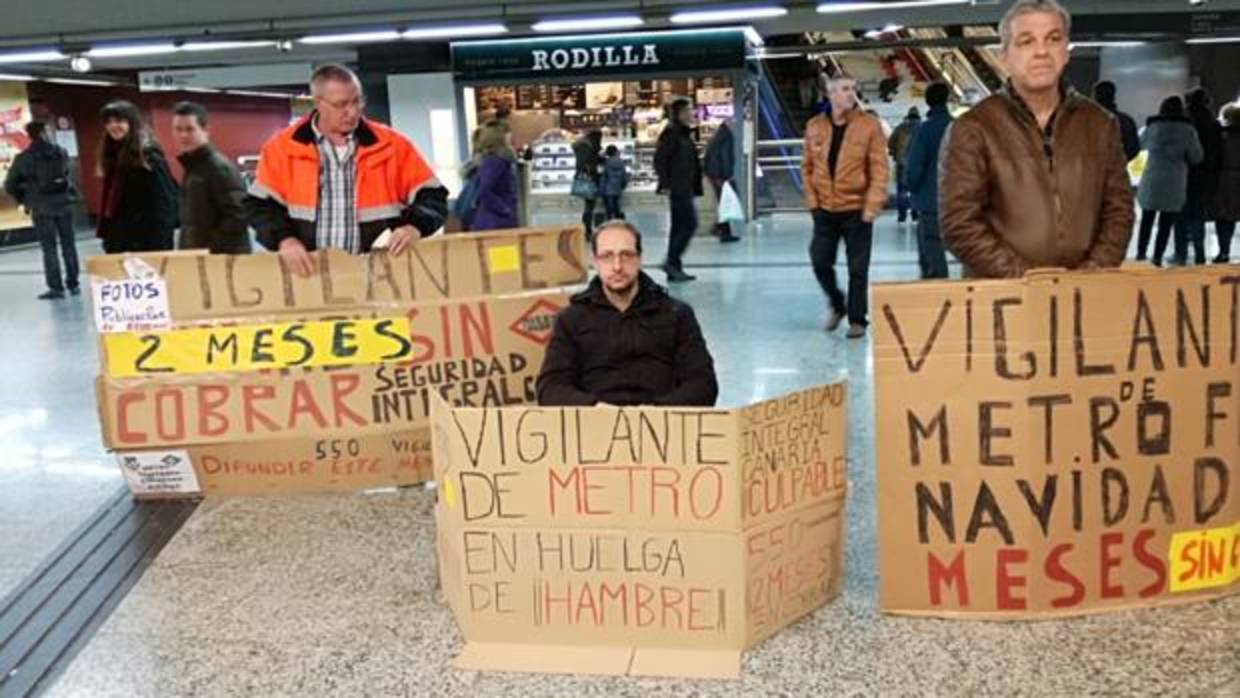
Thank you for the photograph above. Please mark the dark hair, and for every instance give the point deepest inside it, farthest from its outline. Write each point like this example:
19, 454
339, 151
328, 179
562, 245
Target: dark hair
612, 150
913, 113
1104, 92
1171, 108
937, 94
673, 109
128, 152
1199, 100
36, 129
193, 109
616, 223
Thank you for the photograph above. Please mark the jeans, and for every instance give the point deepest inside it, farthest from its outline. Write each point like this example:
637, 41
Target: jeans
1191, 230
829, 229
50, 229
904, 197
1166, 221
612, 204
930, 255
587, 216
1225, 230
684, 225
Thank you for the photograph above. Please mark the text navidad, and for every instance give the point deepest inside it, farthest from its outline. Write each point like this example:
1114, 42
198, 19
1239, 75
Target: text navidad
1057, 452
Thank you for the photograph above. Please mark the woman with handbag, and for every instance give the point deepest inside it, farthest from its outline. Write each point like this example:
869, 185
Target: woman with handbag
588, 151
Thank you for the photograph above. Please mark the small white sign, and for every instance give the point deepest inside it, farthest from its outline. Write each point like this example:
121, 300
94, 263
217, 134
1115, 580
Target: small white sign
159, 472
131, 305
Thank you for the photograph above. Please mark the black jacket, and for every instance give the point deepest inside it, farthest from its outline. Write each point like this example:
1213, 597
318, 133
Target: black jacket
212, 212
1127, 131
22, 182
146, 215
651, 354
676, 162
1203, 177
720, 158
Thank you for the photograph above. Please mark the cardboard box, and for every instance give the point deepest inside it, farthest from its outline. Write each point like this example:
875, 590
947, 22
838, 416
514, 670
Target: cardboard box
215, 287
656, 541
1058, 445
211, 360
281, 466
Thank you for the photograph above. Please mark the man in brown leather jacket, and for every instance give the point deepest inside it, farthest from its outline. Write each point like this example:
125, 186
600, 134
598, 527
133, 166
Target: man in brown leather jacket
1035, 175
845, 172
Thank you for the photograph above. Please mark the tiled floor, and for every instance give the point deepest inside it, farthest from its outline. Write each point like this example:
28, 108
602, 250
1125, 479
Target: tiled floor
337, 595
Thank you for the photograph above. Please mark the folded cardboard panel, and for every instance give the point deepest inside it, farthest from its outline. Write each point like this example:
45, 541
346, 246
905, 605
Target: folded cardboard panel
658, 541
1057, 445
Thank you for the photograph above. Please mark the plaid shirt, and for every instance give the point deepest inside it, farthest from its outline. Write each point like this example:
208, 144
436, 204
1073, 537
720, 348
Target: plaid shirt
336, 218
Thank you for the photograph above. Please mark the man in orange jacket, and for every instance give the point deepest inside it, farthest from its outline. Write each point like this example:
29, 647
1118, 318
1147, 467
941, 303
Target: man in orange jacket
845, 170
335, 179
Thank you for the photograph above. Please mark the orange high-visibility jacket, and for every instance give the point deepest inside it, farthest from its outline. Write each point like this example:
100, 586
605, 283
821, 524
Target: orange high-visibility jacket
395, 186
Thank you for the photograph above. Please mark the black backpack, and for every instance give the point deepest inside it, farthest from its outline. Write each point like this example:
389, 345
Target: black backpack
51, 172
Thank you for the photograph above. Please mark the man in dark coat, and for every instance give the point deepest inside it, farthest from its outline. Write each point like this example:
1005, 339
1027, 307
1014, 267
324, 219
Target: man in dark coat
680, 177
1203, 179
720, 165
1104, 94
212, 193
624, 341
39, 181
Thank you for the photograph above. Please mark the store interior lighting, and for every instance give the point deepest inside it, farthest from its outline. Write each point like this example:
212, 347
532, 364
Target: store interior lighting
454, 31
13, 77
1215, 40
32, 57
352, 37
80, 81
588, 23
728, 14
130, 50
839, 7
196, 46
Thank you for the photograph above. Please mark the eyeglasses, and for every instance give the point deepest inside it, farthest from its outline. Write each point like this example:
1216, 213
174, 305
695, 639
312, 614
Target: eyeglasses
625, 256
356, 102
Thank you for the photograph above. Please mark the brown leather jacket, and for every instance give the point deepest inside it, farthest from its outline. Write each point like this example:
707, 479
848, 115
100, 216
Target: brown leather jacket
1010, 200
860, 182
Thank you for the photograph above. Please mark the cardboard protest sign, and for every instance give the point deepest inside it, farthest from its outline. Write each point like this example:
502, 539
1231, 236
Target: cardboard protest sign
281, 466
219, 374
472, 352
658, 541
216, 287
1062, 444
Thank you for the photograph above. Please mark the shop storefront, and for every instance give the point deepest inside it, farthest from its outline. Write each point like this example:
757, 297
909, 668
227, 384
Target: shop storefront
556, 89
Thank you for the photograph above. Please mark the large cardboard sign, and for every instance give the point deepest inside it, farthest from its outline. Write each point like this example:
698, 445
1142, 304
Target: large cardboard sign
473, 352
657, 541
216, 287
1058, 445
224, 374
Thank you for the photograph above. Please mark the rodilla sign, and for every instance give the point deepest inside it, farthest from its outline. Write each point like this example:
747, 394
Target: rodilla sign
599, 55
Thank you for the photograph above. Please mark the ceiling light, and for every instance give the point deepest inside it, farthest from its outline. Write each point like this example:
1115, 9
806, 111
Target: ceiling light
836, 7
258, 93
1100, 44
588, 23
32, 57
351, 38
80, 64
453, 32
79, 81
16, 78
728, 14
1215, 40
194, 46
125, 51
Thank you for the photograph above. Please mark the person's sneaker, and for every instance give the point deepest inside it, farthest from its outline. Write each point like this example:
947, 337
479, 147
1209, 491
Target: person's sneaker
1221, 260
729, 238
75, 291
855, 331
678, 275
51, 295
834, 320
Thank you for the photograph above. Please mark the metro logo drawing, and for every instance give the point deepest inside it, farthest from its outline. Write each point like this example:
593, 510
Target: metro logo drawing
537, 323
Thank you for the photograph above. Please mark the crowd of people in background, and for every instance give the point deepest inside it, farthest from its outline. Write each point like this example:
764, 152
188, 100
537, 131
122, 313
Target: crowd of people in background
1035, 175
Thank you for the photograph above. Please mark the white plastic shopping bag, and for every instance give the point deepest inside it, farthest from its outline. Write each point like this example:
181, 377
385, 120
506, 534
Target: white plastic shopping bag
730, 210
